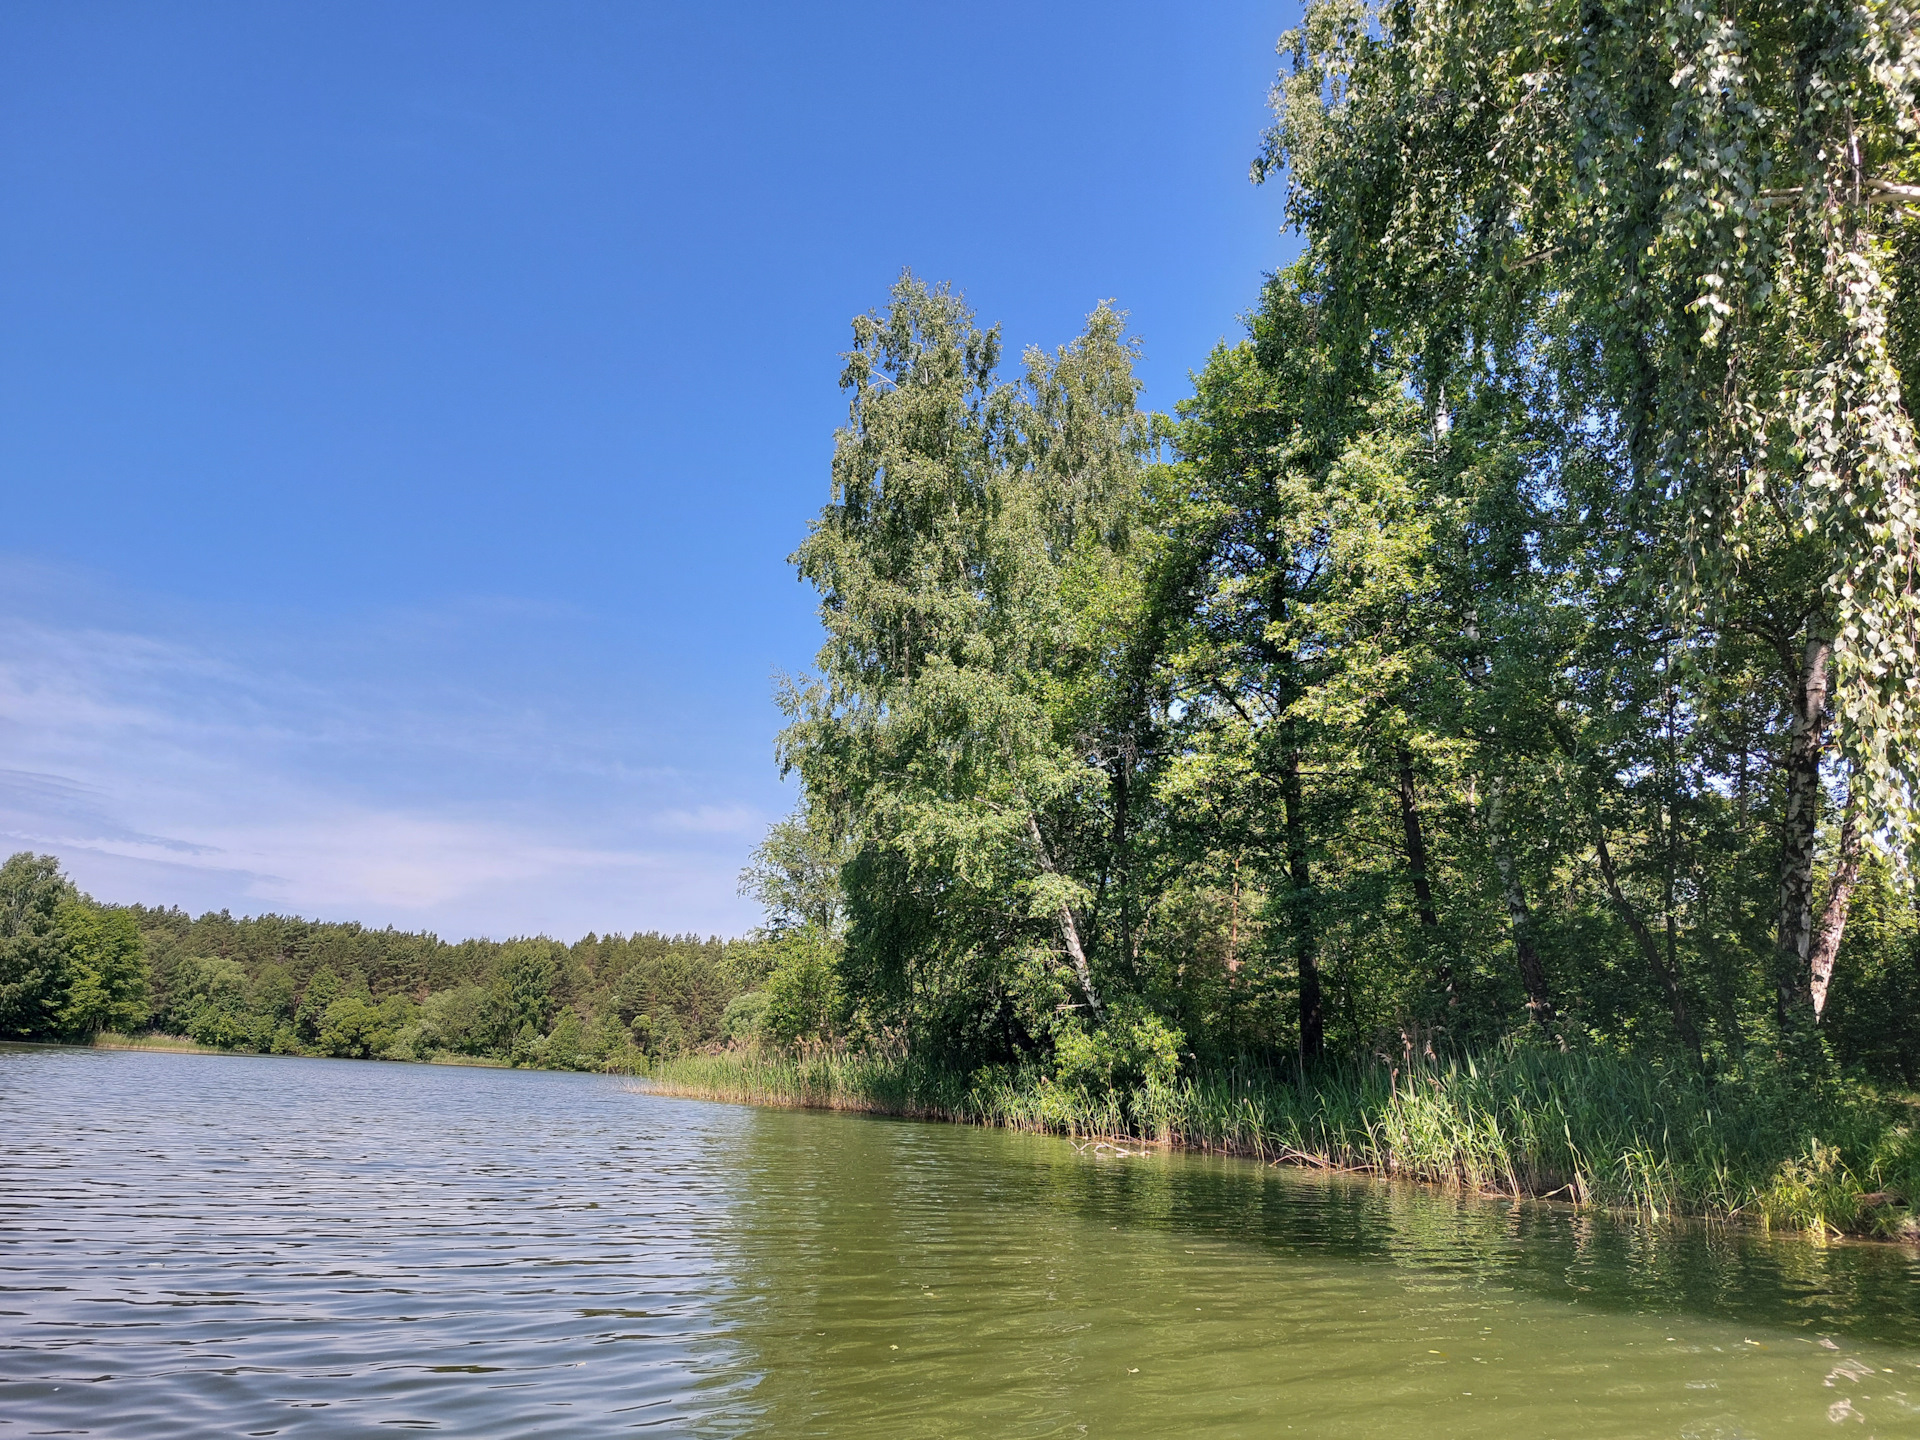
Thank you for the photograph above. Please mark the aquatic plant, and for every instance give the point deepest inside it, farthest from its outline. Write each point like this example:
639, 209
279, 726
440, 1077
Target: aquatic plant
1588, 1127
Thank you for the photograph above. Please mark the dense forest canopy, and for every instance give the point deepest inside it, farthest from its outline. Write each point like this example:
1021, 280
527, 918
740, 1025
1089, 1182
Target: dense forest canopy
71, 968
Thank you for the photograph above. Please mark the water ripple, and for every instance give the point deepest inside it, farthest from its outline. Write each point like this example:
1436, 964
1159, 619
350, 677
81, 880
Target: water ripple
195, 1245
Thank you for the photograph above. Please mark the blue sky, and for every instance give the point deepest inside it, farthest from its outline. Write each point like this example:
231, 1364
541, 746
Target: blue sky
406, 412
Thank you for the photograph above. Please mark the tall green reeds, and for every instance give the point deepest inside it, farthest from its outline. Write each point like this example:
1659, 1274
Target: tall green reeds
820, 1080
1592, 1128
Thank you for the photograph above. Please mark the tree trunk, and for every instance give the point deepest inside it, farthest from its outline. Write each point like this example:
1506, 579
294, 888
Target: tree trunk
1123, 866
1833, 914
1663, 970
1069, 926
1233, 963
1233, 929
1533, 974
1417, 866
1416, 843
1313, 1042
1805, 743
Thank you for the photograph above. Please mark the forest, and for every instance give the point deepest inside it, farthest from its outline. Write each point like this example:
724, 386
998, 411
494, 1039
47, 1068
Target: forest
1512, 638
71, 969
1474, 735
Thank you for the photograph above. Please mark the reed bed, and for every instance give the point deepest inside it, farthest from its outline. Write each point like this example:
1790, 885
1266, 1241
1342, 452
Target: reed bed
149, 1040
824, 1080
1591, 1128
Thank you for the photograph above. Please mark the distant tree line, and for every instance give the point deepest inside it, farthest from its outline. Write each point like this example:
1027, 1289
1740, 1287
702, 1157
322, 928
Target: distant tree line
71, 968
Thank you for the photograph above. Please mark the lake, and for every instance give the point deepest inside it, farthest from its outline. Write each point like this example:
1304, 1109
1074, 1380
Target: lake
200, 1245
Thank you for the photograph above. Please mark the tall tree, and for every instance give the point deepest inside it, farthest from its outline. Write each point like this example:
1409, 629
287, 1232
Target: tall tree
33, 949
979, 721
1684, 222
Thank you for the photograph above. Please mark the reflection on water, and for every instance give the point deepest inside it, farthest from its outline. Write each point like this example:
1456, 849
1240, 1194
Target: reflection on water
1034, 1290
193, 1245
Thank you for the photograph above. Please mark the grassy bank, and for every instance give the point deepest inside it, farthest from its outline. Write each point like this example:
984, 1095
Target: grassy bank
861, 1082
183, 1045
173, 1044
1595, 1129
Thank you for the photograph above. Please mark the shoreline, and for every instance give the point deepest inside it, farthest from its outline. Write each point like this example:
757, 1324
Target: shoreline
1763, 1187
186, 1045
1518, 1126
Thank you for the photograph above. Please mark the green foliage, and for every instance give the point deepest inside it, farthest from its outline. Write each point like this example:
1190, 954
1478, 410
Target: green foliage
1132, 1047
795, 875
566, 1044
804, 1002
105, 973
272, 994
675, 998
210, 1003
355, 1027
964, 746
323, 987
1876, 988
32, 948
1678, 233
523, 996
1502, 638
740, 1024
70, 969
454, 1019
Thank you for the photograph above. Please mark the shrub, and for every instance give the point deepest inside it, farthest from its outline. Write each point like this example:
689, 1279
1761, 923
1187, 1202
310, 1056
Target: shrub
741, 1021
1131, 1048
805, 1001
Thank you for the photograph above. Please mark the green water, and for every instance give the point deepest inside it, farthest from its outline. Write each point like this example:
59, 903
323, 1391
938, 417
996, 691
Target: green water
912, 1280
194, 1245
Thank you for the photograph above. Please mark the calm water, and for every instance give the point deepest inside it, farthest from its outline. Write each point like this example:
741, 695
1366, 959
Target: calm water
207, 1246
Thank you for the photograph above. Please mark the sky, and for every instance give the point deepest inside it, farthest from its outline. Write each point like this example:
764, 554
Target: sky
406, 412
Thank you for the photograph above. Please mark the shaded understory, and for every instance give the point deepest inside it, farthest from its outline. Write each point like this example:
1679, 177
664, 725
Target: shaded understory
1827, 1157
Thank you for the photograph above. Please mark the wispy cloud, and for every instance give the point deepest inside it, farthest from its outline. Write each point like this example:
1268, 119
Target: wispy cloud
714, 820
349, 785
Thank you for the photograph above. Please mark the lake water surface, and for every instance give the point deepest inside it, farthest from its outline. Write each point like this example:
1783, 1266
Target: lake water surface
194, 1245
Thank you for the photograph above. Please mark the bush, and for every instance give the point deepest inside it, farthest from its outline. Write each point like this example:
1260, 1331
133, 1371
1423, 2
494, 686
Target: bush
805, 1001
1132, 1047
741, 1021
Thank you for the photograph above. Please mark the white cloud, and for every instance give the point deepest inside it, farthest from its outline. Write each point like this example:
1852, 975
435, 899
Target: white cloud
356, 786
715, 820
